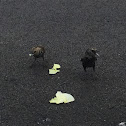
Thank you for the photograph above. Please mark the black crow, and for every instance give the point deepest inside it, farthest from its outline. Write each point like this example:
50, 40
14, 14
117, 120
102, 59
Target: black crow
37, 52
89, 58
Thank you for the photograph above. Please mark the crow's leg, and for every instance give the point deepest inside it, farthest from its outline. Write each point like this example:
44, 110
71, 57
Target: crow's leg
43, 57
94, 68
35, 59
85, 69
33, 63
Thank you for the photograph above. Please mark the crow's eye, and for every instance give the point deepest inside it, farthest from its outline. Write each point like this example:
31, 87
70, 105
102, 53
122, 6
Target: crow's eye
93, 51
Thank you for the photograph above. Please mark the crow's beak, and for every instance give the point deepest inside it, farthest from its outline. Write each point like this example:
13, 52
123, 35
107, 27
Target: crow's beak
97, 54
31, 54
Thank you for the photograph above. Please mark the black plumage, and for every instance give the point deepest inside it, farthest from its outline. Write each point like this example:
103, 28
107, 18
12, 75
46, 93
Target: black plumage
38, 52
89, 59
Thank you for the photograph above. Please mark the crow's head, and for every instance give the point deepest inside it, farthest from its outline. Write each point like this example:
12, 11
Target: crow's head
37, 51
91, 53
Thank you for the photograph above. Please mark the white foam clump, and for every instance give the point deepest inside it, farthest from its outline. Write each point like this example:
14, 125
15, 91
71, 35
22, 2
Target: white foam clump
54, 69
62, 98
122, 124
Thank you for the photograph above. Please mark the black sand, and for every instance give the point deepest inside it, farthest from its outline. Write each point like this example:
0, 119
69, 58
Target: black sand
66, 28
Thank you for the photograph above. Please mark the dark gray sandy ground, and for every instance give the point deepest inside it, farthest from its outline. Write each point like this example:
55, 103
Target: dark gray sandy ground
66, 28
